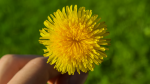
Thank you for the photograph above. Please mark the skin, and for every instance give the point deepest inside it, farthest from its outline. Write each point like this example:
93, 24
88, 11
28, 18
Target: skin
33, 69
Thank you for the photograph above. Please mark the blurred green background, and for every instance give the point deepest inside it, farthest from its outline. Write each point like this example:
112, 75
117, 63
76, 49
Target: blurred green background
128, 22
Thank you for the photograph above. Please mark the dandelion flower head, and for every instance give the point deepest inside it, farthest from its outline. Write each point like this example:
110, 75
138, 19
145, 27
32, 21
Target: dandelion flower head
73, 40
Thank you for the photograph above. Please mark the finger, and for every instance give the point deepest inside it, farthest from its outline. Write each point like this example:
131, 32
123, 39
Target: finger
78, 78
11, 64
52, 81
37, 71
72, 79
63, 79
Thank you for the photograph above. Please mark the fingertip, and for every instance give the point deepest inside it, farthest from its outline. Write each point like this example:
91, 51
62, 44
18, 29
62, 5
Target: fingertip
53, 80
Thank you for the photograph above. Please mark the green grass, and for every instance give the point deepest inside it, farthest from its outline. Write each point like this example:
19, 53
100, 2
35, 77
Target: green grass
128, 22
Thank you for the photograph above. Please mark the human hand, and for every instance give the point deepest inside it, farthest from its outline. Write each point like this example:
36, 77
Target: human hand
33, 69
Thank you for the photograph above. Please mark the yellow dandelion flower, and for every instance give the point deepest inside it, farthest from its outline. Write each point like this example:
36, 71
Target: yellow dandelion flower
73, 40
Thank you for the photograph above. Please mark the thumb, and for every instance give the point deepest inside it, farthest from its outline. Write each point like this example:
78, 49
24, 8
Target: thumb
37, 71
